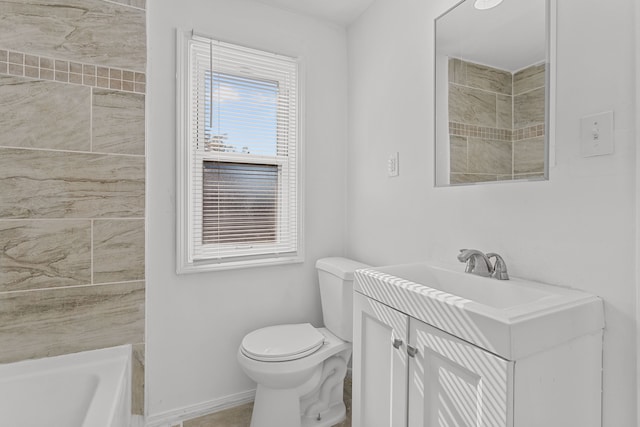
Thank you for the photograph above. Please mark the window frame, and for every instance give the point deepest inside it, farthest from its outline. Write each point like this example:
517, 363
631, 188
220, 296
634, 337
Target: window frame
185, 232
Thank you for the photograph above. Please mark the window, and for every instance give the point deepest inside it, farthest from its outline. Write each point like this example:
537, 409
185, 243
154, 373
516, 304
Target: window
238, 156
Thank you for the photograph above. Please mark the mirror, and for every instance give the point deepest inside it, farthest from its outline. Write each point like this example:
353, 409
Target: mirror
492, 92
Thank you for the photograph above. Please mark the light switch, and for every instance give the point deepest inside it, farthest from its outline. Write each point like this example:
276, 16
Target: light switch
393, 168
596, 134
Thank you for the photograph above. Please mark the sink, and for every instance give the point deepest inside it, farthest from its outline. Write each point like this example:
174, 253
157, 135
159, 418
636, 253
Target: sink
510, 318
499, 294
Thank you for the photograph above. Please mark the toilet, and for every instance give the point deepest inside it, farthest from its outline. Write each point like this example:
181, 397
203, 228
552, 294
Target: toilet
300, 369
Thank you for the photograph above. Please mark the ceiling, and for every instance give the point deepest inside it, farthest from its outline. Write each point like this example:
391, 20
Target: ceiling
342, 12
510, 37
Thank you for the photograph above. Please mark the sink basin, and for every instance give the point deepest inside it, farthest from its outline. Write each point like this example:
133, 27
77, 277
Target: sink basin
499, 294
510, 318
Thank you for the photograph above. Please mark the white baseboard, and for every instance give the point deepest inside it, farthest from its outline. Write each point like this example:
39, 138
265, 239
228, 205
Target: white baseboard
176, 416
137, 421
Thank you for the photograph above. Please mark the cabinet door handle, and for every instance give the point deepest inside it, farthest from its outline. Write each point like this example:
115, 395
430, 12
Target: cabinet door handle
412, 351
397, 343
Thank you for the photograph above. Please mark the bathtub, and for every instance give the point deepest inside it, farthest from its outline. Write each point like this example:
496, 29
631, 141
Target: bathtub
89, 389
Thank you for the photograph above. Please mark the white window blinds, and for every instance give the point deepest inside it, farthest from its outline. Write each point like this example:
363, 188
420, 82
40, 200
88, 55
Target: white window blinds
243, 153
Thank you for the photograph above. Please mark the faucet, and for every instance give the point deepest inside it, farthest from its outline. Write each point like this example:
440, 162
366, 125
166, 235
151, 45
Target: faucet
477, 262
480, 264
499, 268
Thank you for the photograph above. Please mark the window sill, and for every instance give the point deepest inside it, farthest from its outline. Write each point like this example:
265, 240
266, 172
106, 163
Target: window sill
209, 266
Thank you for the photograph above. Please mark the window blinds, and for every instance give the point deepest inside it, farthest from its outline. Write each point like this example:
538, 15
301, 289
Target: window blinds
243, 152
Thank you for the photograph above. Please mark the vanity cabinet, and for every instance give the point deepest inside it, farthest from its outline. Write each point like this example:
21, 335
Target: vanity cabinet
407, 372
453, 383
379, 394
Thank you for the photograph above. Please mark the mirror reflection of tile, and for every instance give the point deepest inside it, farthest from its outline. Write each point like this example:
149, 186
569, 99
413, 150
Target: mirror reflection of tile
496, 122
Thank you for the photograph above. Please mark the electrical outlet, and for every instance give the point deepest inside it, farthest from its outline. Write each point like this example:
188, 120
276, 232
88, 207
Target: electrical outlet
392, 165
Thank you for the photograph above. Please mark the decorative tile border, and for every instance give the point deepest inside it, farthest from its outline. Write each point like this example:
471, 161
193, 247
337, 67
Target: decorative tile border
461, 129
528, 132
39, 67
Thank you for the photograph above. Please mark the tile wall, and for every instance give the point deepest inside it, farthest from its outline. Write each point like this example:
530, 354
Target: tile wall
496, 122
72, 179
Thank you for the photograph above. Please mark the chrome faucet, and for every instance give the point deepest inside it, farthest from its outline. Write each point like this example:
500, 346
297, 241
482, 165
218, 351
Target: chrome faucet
499, 268
477, 262
480, 264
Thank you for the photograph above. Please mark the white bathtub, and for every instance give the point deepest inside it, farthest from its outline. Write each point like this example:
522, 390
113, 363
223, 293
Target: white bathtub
89, 389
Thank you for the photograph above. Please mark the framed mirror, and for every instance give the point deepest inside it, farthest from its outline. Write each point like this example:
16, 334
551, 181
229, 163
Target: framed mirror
492, 82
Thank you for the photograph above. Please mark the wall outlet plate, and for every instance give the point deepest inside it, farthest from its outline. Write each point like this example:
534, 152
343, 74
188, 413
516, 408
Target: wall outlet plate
393, 168
596, 134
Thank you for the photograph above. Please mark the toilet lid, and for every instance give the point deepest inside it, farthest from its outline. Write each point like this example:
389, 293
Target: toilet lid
282, 342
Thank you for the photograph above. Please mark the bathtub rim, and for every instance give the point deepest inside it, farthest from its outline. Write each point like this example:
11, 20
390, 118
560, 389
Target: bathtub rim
115, 379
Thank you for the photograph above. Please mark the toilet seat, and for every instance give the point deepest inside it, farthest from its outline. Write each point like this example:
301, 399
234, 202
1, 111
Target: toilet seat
282, 342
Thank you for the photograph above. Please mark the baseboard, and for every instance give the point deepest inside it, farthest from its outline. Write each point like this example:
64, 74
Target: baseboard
176, 416
137, 421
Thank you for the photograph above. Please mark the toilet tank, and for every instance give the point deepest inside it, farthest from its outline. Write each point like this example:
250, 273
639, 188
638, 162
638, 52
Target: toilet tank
336, 292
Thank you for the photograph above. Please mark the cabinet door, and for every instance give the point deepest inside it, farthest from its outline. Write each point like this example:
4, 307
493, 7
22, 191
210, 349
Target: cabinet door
455, 384
379, 365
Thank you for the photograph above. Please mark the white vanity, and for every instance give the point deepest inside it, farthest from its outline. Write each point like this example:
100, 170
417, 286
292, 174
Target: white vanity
440, 348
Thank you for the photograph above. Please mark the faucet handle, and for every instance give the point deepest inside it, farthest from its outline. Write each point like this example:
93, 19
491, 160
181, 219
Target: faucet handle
499, 268
477, 262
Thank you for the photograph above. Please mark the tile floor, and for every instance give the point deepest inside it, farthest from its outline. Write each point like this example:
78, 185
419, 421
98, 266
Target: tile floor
240, 416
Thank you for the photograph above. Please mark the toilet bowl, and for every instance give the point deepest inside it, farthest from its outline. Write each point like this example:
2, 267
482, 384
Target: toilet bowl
300, 369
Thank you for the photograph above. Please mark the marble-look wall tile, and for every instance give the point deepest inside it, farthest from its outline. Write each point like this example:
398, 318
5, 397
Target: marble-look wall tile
42, 114
472, 106
487, 78
118, 250
489, 157
42, 184
530, 78
137, 379
530, 176
528, 156
118, 122
44, 254
457, 71
480, 76
92, 31
458, 153
51, 322
529, 108
504, 112
140, 4
507, 177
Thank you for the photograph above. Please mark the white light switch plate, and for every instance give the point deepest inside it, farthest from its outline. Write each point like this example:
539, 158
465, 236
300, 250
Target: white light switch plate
596, 134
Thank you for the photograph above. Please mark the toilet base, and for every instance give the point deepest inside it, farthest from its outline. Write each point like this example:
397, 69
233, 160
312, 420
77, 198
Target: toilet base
298, 405
336, 414
276, 408
281, 408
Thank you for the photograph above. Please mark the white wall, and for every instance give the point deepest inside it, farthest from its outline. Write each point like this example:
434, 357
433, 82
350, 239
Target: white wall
577, 230
637, 31
196, 322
